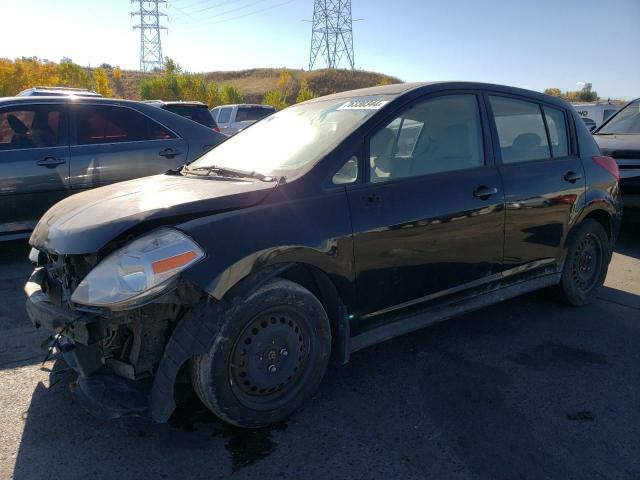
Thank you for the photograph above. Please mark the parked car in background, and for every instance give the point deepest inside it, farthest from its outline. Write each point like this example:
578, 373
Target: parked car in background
590, 123
57, 92
195, 111
233, 118
321, 230
595, 114
51, 147
619, 138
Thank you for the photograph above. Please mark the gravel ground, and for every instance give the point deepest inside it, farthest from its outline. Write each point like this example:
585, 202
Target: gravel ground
528, 389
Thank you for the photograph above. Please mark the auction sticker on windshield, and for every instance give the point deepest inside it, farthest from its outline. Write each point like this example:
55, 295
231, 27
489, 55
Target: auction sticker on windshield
363, 105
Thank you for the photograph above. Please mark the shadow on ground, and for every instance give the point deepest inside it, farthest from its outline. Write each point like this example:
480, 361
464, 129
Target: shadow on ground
528, 389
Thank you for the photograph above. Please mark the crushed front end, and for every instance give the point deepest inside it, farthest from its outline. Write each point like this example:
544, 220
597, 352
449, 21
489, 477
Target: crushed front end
116, 351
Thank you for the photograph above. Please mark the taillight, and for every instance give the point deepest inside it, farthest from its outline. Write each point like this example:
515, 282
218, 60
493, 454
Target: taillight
216, 129
609, 164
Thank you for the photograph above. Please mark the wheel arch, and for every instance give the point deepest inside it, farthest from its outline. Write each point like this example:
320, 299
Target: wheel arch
319, 283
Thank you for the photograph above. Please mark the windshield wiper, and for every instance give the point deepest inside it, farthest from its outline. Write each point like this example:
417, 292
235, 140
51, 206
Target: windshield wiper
227, 172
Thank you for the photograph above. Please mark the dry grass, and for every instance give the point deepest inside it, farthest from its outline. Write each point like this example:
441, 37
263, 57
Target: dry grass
256, 82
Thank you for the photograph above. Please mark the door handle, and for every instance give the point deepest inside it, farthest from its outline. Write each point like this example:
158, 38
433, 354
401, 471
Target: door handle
50, 161
483, 192
169, 153
572, 177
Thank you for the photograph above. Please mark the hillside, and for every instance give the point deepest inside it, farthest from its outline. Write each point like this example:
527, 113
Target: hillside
255, 83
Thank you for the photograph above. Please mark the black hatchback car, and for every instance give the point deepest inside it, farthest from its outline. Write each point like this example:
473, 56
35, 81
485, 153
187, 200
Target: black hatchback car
323, 229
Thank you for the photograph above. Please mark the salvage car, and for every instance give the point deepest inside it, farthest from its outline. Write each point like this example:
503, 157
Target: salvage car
54, 146
323, 229
620, 139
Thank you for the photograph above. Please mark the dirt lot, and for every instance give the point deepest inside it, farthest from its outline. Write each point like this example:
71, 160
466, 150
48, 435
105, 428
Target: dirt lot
528, 389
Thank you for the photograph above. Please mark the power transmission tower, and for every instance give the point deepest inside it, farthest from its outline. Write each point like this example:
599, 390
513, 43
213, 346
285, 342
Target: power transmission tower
150, 44
332, 32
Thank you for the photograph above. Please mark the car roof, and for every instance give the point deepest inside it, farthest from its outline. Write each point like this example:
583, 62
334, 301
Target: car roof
244, 105
60, 91
68, 99
399, 89
175, 102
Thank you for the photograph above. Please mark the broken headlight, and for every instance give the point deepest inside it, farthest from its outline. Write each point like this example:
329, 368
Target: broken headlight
139, 270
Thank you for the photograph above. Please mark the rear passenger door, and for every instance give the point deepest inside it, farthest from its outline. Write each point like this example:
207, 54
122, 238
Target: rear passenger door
429, 218
34, 163
542, 175
112, 143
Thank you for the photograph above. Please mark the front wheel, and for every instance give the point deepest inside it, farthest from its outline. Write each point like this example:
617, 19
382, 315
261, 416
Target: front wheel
586, 264
268, 357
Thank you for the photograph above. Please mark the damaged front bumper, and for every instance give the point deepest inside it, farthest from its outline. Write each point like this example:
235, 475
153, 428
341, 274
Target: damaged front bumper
107, 386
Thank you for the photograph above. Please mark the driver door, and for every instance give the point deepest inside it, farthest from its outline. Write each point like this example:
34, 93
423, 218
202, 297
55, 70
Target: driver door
430, 219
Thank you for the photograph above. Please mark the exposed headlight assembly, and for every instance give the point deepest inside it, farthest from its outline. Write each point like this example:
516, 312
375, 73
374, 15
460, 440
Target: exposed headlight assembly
139, 270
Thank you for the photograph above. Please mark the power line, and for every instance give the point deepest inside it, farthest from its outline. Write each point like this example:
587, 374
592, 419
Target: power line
204, 9
332, 33
150, 43
237, 17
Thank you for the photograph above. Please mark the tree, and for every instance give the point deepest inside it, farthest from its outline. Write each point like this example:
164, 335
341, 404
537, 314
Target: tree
231, 95
305, 93
280, 97
276, 99
102, 82
554, 92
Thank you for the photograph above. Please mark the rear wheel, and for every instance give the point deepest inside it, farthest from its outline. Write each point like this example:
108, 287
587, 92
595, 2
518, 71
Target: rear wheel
586, 265
268, 357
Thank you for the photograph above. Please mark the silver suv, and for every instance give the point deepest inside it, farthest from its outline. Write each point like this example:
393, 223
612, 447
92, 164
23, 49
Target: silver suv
233, 118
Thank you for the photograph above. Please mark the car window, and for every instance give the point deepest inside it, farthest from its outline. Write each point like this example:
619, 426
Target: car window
253, 113
557, 126
437, 135
196, 113
97, 124
348, 173
521, 130
225, 115
33, 126
625, 121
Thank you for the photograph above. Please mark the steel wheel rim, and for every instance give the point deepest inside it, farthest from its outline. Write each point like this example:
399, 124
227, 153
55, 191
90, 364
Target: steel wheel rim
585, 265
269, 359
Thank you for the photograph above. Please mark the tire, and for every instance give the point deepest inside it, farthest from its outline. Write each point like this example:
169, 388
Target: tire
586, 263
268, 357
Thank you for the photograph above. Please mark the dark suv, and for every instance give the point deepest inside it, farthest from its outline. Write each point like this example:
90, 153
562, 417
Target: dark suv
195, 111
325, 228
51, 147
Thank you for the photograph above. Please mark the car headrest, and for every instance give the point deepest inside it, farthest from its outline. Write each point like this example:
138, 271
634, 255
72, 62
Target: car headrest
526, 141
16, 125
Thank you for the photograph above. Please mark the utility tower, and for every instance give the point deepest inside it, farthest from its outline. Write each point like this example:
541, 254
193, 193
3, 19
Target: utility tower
150, 45
332, 32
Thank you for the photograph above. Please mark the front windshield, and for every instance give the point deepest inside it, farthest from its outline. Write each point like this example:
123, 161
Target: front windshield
297, 137
626, 121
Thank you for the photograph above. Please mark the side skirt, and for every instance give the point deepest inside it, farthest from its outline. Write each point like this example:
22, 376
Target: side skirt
430, 315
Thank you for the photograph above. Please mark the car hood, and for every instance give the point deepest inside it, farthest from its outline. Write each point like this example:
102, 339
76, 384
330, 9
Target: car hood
86, 222
611, 144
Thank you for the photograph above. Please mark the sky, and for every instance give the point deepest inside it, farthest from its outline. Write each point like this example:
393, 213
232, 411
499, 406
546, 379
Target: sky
532, 44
